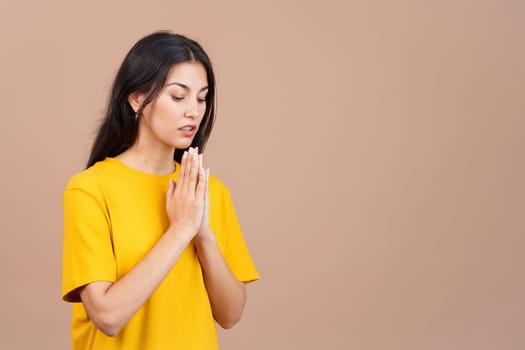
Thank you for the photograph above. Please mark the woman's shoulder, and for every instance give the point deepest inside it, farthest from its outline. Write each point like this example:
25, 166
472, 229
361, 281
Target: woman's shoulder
88, 179
219, 191
215, 184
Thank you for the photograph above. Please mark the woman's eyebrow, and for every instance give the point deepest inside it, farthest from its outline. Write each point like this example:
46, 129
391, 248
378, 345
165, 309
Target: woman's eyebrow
185, 87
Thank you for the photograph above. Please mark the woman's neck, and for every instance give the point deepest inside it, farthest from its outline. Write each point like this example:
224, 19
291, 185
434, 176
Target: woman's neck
145, 159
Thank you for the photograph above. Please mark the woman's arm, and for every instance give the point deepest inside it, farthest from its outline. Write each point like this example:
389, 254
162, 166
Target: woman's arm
111, 305
227, 295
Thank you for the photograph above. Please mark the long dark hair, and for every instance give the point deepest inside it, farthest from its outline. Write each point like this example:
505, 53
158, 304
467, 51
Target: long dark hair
144, 70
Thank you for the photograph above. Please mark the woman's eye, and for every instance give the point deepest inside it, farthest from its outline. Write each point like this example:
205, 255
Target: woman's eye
201, 100
177, 98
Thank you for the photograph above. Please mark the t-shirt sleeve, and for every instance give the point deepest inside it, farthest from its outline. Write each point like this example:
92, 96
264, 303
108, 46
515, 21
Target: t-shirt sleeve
87, 247
236, 254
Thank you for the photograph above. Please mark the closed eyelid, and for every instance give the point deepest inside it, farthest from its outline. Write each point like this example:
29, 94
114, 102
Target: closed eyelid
184, 95
179, 98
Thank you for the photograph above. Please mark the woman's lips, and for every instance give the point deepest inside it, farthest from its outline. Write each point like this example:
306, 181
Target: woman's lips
188, 130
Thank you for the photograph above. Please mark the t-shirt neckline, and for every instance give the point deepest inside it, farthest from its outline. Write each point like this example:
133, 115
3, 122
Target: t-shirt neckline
125, 168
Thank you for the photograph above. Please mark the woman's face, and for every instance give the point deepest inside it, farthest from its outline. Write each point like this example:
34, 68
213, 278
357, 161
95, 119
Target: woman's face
173, 118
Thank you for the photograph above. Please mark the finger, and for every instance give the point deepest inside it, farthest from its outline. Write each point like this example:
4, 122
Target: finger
188, 162
204, 176
201, 186
194, 173
207, 181
202, 167
171, 190
208, 187
187, 173
183, 169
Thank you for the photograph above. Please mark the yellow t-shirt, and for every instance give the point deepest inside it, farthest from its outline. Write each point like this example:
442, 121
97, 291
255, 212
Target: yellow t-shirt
113, 216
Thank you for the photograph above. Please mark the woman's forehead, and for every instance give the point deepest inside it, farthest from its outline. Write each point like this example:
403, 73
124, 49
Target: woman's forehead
188, 75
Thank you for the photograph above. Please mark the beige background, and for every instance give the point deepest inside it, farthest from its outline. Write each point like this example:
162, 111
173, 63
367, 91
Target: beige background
374, 150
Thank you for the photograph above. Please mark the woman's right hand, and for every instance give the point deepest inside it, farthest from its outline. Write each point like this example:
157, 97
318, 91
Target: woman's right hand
185, 200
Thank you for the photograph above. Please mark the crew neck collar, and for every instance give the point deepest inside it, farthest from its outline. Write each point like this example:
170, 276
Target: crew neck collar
124, 168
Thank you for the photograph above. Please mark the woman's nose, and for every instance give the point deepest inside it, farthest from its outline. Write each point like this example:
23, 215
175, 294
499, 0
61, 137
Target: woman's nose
192, 109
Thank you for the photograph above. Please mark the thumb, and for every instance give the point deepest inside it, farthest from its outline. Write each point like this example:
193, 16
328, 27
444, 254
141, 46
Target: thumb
171, 189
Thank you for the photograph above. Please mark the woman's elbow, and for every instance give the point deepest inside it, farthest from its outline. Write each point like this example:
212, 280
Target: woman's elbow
229, 320
106, 323
101, 311
230, 316
227, 324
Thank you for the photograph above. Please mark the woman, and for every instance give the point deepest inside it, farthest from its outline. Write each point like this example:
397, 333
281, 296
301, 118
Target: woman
153, 252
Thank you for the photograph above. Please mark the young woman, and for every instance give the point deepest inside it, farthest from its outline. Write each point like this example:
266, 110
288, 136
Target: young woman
153, 252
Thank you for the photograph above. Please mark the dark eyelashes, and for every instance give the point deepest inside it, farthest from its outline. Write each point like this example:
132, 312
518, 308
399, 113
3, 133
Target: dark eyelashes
179, 99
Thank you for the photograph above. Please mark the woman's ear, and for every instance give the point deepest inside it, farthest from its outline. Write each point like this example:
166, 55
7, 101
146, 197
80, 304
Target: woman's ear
135, 100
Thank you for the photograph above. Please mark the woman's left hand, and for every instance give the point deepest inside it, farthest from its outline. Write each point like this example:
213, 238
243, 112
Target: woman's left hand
204, 230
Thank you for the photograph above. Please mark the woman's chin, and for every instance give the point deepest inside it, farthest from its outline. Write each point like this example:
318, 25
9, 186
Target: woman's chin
182, 144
